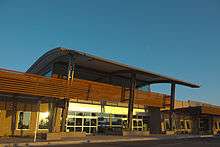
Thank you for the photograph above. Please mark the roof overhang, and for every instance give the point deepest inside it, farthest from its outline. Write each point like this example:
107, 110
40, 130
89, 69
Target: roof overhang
198, 110
104, 65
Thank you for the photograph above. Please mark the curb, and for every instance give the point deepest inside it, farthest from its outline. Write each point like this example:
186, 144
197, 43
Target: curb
100, 141
73, 142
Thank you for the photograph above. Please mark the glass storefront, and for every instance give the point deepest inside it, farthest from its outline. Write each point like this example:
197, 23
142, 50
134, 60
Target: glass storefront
89, 118
204, 124
82, 122
93, 122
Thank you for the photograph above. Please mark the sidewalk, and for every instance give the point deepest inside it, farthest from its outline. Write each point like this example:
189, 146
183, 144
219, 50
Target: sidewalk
10, 142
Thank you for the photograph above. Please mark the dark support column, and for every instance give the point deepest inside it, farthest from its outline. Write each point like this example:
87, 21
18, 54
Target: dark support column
13, 114
103, 103
211, 126
154, 120
172, 103
52, 115
64, 115
71, 68
131, 100
37, 120
195, 124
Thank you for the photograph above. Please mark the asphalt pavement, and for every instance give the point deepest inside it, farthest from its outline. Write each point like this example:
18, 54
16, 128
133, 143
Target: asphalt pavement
194, 142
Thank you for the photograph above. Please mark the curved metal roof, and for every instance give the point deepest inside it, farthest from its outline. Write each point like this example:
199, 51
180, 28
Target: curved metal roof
105, 65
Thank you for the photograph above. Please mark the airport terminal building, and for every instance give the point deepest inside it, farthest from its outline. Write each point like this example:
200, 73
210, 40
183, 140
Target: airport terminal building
71, 91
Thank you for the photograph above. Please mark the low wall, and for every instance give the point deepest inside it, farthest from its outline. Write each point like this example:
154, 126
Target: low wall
62, 135
136, 133
170, 132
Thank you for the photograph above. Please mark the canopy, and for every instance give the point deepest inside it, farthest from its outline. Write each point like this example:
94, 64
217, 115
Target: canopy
108, 66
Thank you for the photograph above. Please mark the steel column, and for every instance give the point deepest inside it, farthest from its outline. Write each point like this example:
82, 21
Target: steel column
172, 104
13, 111
52, 115
71, 69
131, 100
37, 121
64, 115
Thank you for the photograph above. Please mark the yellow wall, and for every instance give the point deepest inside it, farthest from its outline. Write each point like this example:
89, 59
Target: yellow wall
97, 108
181, 104
120, 110
84, 107
5, 123
31, 130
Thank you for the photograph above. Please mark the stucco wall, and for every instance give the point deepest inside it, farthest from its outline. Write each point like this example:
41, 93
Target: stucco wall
5, 123
6, 119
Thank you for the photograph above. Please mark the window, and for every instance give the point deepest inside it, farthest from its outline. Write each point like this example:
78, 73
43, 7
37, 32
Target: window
174, 124
116, 121
82, 122
48, 74
70, 129
79, 113
139, 123
93, 129
93, 122
134, 123
216, 125
86, 129
87, 114
145, 88
188, 125
124, 124
167, 124
94, 114
78, 121
43, 120
24, 120
204, 124
71, 121
145, 127
86, 122
182, 124
219, 125
78, 129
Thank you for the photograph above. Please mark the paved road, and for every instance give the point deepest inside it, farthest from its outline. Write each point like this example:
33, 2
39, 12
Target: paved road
203, 142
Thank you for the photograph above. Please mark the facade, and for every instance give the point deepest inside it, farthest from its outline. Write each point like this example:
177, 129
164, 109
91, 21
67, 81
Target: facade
71, 91
193, 118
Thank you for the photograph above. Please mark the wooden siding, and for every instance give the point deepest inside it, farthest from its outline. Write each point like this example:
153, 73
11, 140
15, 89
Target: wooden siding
210, 110
13, 82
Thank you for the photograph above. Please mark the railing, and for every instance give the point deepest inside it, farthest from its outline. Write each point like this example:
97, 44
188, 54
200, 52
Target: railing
19, 83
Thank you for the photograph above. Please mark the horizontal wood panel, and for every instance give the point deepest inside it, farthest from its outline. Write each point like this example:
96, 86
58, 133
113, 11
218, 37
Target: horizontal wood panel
210, 110
35, 85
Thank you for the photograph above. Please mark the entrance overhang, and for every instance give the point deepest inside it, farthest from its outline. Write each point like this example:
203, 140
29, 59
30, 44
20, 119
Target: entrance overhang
109, 67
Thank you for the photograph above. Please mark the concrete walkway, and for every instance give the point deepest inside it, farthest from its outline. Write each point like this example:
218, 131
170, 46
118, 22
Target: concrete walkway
10, 142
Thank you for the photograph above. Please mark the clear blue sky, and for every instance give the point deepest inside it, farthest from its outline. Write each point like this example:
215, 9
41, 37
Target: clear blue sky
175, 38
